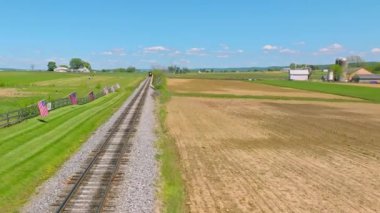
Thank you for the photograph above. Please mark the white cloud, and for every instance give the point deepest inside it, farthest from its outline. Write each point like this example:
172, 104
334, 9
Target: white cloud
196, 51
375, 50
223, 56
155, 49
287, 51
269, 47
115, 51
240, 51
225, 46
106, 53
175, 53
331, 49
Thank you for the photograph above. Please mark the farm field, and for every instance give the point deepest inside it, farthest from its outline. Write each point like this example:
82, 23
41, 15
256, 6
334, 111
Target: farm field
363, 92
20, 89
249, 155
241, 88
260, 75
30, 152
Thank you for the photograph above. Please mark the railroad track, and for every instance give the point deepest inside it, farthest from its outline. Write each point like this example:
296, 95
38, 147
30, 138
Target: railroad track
91, 188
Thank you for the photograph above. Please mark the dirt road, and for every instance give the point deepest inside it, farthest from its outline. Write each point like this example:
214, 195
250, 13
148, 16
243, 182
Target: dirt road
277, 156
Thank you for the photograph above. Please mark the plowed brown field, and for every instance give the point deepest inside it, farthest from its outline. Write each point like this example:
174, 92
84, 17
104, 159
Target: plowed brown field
277, 156
241, 88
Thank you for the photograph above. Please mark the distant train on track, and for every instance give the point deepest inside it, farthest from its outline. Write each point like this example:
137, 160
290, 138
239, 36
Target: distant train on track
150, 74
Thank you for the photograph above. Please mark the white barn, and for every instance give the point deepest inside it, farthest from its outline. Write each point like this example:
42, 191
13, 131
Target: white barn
299, 75
61, 69
64, 69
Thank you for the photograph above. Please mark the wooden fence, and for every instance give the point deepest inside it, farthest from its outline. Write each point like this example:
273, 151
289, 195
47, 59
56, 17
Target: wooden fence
17, 116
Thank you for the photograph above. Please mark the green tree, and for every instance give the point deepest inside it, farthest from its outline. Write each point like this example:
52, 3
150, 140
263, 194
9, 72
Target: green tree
293, 66
355, 61
338, 71
375, 68
172, 69
131, 69
76, 63
86, 64
51, 65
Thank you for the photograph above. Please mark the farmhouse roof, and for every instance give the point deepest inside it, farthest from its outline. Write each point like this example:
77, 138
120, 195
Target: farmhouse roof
356, 69
368, 77
299, 72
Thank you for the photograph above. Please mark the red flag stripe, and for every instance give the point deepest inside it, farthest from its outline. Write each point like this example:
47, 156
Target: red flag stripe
42, 106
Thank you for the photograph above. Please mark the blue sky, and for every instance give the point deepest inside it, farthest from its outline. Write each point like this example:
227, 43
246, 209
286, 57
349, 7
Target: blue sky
195, 33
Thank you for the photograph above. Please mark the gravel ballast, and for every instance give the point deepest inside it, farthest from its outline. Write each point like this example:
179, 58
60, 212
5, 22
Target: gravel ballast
137, 192
48, 193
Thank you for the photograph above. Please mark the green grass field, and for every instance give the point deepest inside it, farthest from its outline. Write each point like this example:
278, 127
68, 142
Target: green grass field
32, 151
365, 93
260, 75
34, 86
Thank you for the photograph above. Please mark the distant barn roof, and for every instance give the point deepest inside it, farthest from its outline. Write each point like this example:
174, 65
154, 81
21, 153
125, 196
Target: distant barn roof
368, 77
355, 69
299, 72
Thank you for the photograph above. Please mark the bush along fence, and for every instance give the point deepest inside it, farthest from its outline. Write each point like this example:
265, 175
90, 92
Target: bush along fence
13, 117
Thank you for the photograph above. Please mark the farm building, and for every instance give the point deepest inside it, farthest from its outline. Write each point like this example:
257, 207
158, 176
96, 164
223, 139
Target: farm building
356, 71
65, 69
84, 69
299, 75
61, 69
366, 78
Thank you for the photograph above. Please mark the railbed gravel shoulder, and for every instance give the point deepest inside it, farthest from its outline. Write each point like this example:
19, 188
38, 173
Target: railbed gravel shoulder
137, 191
137, 194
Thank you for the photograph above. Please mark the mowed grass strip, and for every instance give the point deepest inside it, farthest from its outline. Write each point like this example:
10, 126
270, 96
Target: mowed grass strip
265, 97
365, 93
32, 151
172, 187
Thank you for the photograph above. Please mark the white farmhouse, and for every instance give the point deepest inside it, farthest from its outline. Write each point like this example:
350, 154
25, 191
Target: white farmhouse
83, 69
61, 69
65, 69
299, 75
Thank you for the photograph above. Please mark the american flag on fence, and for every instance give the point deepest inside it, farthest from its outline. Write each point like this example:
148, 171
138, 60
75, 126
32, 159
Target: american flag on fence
42, 106
91, 96
117, 86
73, 98
105, 90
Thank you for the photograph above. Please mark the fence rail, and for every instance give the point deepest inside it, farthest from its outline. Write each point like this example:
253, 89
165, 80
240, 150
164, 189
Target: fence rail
13, 117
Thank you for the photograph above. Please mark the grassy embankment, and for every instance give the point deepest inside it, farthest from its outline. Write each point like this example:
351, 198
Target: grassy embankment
20, 89
172, 186
365, 93
32, 151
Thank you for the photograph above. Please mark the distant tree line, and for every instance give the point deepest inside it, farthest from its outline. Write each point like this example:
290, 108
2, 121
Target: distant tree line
75, 63
178, 70
374, 67
129, 69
